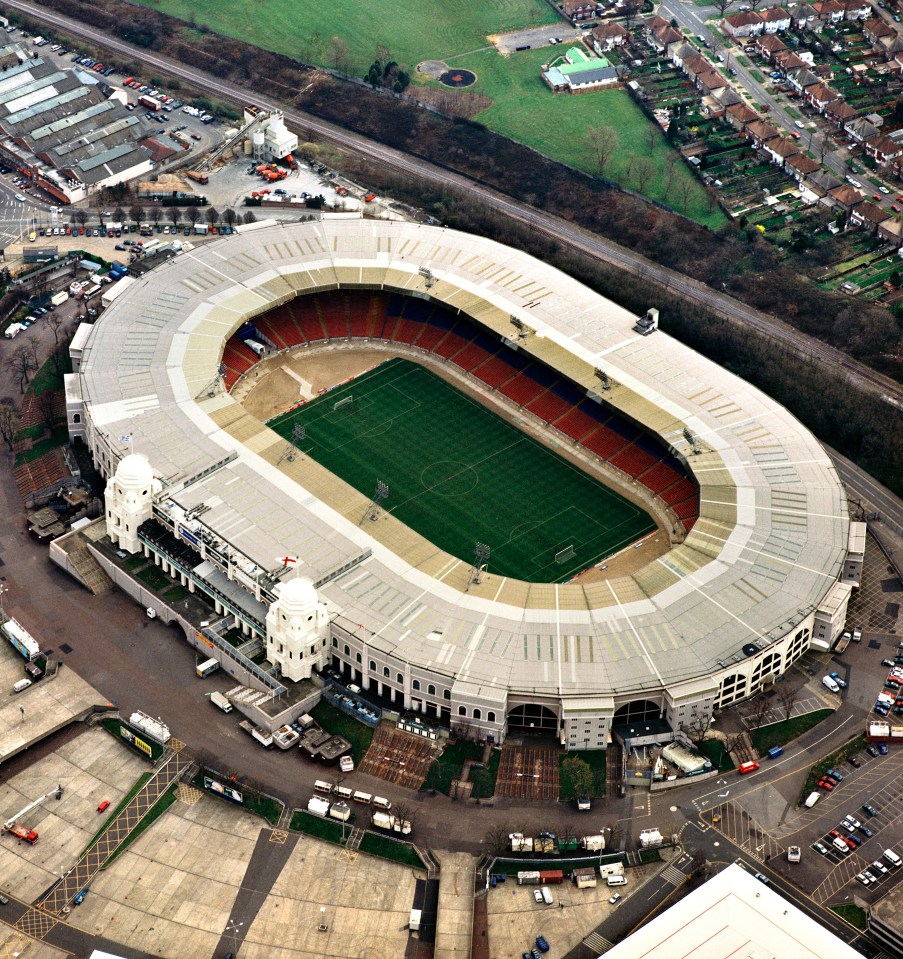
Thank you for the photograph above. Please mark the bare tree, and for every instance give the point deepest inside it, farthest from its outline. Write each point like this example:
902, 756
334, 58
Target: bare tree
757, 711
119, 214
136, 212
175, 215
787, 698
495, 841
684, 189
250, 217
642, 171
229, 216
20, 364
696, 728
81, 217
45, 403
383, 54
338, 54
722, 6
651, 137
9, 423
631, 11
603, 141
156, 213
192, 214
212, 215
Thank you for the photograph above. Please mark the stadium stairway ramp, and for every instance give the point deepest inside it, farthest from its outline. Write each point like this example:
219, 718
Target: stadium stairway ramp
90, 571
354, 840
170, 769
251, 648
454, 920
247, 696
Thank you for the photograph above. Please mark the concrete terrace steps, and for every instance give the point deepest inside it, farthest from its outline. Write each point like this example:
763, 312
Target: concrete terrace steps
247, 696
90, 571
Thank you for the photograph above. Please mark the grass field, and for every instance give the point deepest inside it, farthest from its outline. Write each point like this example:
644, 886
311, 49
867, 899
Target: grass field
526, 110
427, 30
523, 107
458, 474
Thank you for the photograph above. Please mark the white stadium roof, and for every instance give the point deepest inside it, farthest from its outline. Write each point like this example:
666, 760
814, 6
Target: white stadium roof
770, 539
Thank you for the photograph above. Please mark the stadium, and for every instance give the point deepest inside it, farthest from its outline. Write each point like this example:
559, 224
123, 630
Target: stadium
503, 594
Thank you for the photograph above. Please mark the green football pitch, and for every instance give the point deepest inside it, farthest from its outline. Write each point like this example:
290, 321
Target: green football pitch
458, 474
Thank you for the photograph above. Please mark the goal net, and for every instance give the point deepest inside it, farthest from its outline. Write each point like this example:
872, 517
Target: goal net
564, 554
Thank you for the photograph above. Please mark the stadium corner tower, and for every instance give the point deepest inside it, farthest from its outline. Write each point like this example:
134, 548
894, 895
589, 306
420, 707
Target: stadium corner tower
754, 512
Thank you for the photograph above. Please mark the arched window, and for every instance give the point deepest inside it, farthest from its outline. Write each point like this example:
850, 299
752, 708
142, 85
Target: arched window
386, 671
478, 714
431, 689
490, 717
335, 643
399, 679
415, 685
462, 710
372, 665
347, 649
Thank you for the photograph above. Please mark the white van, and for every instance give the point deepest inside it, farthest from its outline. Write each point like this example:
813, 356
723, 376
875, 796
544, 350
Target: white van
616, 881
547, 895
812, 799
889, 854
841, 846
23, 684
829, 683
258, 348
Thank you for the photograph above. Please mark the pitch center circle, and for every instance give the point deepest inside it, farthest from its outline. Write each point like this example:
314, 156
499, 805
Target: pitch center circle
449, 478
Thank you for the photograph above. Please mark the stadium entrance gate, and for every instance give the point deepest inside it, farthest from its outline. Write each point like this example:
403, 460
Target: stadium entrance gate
532, 719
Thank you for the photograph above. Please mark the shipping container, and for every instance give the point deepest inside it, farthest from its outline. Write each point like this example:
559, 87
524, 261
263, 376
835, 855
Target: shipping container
551, 877
207, 667
528, 878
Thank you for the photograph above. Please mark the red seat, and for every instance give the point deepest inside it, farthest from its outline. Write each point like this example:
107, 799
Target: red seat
521, 389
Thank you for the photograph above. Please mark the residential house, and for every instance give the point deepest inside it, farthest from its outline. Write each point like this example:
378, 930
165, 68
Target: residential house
800, 78
838, 113
821, 182
710, 81
576, 10
857, 10
739, 115
693, 66
883, 149
775, 19
845, 196
867, 216
608, 36
768, 46
860, 130
788, 60
896, 65
818, 96
800, 166
760, 132
802, 16
780, 149
716, 103
679, 52
661, 37
828, 11
653, 23
747, 24
877, 32
577, 72
891, 231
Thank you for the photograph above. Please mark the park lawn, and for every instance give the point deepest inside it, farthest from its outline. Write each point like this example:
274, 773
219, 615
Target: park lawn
556, 125
785, 731
427, 30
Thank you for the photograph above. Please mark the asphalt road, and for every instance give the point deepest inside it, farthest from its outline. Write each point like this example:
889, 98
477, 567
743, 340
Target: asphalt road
717, 302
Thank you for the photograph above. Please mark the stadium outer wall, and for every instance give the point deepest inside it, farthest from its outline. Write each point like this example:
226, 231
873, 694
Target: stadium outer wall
720, 616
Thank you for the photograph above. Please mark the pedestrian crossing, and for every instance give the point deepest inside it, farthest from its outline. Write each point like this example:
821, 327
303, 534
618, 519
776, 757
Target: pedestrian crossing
673, 875
599, 944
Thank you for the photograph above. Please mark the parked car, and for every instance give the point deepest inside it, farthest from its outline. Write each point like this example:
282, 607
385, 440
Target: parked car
838, 679
537, 895
853, 761
882, 748
825, 784
871, 750
866, 832
879, 867
541, 944
819, 847
615, 898
834, 774
867, 807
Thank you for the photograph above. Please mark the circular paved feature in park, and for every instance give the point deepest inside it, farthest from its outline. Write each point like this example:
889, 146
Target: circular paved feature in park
458, 78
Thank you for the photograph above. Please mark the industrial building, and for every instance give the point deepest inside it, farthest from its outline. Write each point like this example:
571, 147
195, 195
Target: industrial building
749, 579
62, 128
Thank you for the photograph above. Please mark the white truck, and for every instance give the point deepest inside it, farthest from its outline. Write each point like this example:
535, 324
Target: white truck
58, 299
318, 806
384, 820
263, 736
593, 843
219, 700
13, 330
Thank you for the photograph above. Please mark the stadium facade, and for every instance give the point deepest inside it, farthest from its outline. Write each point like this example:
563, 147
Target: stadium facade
758, 578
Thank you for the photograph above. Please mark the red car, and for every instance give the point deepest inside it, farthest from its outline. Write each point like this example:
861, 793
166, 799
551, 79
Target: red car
104, 806
825, 784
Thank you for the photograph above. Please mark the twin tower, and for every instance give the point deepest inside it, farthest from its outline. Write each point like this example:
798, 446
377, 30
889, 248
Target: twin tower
297, 624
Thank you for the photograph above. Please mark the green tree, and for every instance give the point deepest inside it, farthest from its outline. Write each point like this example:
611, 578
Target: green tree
580, 774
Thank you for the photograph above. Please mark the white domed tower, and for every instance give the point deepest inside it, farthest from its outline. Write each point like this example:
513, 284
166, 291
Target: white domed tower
298, 630
129, 500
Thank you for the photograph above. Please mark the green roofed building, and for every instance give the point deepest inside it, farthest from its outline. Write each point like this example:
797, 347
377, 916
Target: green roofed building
577, 72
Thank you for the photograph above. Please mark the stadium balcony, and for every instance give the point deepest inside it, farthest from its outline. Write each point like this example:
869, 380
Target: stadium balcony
604, 442
549, 406
659, 477
576, 423
494, 371
633, 460
471, 356
521, 389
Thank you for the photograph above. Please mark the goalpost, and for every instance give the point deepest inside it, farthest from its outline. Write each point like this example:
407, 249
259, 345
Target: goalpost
564, 554
346, 403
